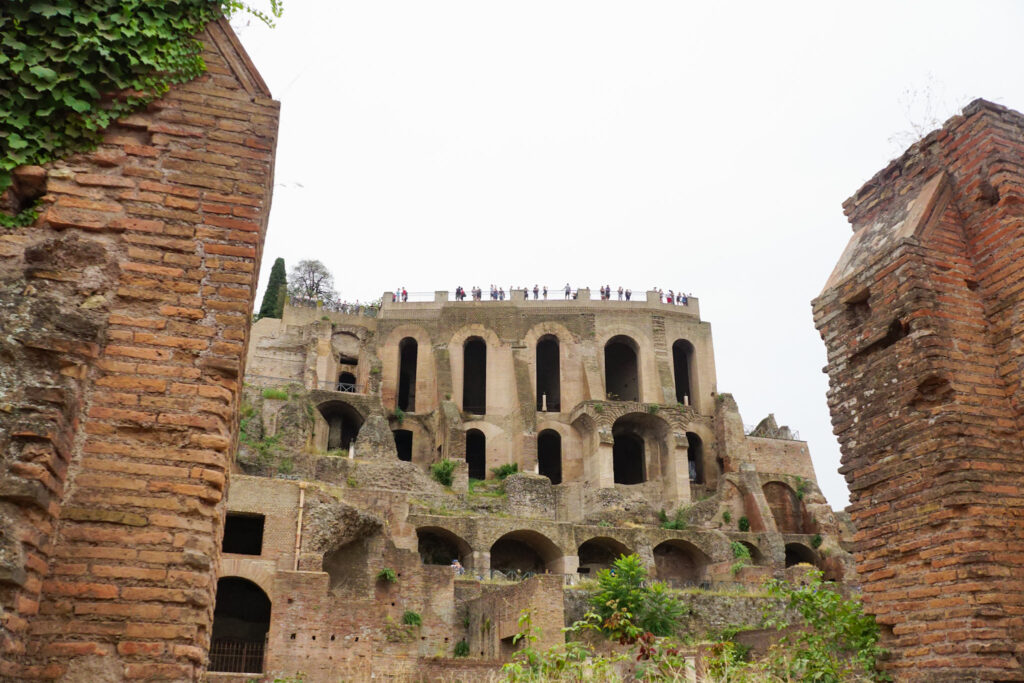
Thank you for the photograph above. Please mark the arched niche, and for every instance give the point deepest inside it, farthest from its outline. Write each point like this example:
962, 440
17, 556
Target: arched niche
695, 457
548, 380
639, 448
408, 351
476, 454
525, 551
622, 369
241, 620
403, 444
680, 563
343, 424
440, 546
682, 367
599, 553
798, 553
788, 510
474, 376
549, 455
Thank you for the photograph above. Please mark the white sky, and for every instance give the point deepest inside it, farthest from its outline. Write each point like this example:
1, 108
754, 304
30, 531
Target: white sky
697, 146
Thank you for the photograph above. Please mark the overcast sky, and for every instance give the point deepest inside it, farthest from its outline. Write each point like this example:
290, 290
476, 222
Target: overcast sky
704, 147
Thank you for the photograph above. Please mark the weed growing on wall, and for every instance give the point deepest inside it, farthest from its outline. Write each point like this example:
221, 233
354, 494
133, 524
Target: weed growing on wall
442, 471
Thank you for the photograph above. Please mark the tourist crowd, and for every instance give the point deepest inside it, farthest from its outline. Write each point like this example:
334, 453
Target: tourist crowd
623, 294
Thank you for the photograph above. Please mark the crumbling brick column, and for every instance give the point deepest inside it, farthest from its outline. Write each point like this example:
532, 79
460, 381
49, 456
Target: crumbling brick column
922, 320
124, 314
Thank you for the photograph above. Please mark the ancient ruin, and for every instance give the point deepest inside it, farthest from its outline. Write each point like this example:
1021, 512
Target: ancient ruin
610, 414
922, 319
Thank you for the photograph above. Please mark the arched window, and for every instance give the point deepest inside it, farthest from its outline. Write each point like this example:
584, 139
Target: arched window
548, 380
679, 563
682, 363
549, 455
628, 459
407, 349
695, 457
343, 423
347, 382
241, 619
476, 454
621, 375
403, 444
474, 376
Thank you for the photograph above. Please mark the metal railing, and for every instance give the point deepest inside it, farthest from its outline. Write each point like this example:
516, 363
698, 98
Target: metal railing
327, 385
236, 656
766, 432
369, 310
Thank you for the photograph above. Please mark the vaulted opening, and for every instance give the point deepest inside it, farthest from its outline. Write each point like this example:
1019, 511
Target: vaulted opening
241, 620
343, 424
525, 552
549, 455
695, 457
798, 553
474, 376
243, 534
440, 546
787, 509
680, 563
628, 459
346, 382
407, 350
403, 444
621, 375
599, 553
548, 380
476, 454
682, 363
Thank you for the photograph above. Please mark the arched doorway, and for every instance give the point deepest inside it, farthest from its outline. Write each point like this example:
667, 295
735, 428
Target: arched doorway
476, 454
628, 459
695, 457
525, 552
548, 379
403, 444
440, 546
241, 620
474, 376
682, 364
798, 553
343, 424
756, 557
347, 382
599, 553
621, 374
638, 448
407, 350
549, 455
680, 563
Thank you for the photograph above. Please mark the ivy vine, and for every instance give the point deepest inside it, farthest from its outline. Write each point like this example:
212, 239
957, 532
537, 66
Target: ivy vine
70, 68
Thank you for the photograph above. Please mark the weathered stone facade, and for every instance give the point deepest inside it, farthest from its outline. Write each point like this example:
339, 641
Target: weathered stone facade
608, 410
922, 319
125, 313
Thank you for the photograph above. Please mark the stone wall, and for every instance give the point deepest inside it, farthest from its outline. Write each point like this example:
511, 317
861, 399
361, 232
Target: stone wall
125, 313
922, 322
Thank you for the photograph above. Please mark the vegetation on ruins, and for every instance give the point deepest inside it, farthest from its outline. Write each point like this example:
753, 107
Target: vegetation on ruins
310, 280
742, 555
678, 521
387, 575
505, 470
442, 471
625, 597
272, 305
461, 649
70, 68
275, 394
411, 618
727, 517
743, 524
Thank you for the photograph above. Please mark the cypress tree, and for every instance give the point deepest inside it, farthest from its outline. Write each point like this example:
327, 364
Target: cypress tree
273, 304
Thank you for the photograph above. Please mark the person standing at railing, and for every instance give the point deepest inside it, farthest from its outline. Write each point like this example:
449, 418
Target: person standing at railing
629, 293
567, 290
545, 292
536, 291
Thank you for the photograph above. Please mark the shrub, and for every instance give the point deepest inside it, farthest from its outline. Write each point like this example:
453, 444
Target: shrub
598, 408
442, 471
387, 575
653, 408
801, 487
505, 470
727, 517
740, 551
410, 618
276, 394
677, 522
399, 415
743, 524
624, 596
816, 541
461, 649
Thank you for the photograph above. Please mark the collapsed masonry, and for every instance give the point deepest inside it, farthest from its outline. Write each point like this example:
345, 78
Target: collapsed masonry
609, 412
125, 313
922, 319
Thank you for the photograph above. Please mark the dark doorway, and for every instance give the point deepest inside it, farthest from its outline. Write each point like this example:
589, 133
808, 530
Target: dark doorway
679, 563
407, 349
695, 457
682, 362
797, 553
403, 443
243, 534
628, 459
474, 376
241, 619
549, 455
347, 382
476, 454
548, 381
599, 553
343, 423
621, 379
523, 552
440, 546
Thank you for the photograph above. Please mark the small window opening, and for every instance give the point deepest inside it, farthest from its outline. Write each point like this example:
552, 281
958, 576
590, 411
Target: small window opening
476, 454
403, 443
243, 534
621, 376
548, 380
549, 455
474, 376
407, 350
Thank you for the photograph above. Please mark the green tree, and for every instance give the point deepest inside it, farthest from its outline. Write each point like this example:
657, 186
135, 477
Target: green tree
624, 595
278, 280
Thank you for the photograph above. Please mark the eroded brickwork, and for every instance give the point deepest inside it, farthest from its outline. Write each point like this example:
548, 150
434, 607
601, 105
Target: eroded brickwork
125, 312
923, 320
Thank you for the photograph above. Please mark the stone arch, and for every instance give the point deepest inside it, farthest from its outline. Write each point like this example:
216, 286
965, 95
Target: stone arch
343, 422
346, 382
599, 553
572, 447
524, 551
680, 563
476, 453
639, 448
622, 369
549, 455
439, 546
474, 376
241, 621
683, 370
695, 457
756, 556
493, 367
788, 509
547, 380
798, 553
408, 352
422, 374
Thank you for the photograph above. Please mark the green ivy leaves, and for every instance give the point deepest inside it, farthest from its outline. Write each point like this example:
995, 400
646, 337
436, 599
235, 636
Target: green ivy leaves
69, 68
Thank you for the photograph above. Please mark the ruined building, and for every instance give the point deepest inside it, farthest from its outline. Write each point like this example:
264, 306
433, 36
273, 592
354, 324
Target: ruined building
124, 314
608, 410
923, 319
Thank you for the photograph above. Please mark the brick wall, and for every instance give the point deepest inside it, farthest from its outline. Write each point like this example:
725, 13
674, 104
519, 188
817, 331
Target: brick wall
922, 321
125, 312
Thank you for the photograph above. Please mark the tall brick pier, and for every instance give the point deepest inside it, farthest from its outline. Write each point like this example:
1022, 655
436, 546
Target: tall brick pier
923, 319
124, 314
